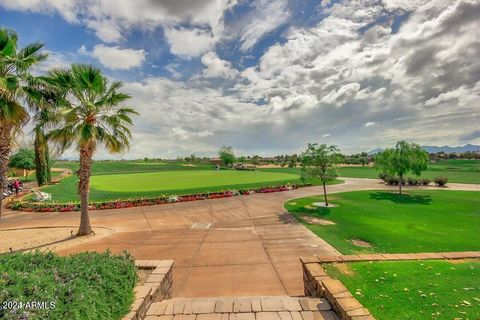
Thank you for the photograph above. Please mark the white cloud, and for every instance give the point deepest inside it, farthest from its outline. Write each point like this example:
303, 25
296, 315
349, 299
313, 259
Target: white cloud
172, 68
189, 42
347, 73
116, 58
462, 96
112, 20
216, 67
182, 134
266, 17
342, 95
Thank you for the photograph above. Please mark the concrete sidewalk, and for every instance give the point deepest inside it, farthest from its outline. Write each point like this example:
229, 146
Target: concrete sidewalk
239, 246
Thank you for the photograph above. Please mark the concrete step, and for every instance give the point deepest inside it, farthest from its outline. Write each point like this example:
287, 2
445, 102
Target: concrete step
239, 308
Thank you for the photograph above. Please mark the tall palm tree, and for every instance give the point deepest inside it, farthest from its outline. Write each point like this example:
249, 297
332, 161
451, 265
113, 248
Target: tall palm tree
96, 115
44, 100
14, 67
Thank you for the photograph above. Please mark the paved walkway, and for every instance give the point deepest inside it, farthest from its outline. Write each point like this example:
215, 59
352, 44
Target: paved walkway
245, 308
239, 246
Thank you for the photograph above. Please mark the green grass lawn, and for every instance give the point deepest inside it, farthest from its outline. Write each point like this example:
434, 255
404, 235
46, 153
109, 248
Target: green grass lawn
121, 167
460, 171
151, 184
32, 177
420, 221
113, 180
431, 289
82, 286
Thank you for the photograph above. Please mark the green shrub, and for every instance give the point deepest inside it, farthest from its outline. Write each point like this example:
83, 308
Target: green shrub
440, 181
88, 285
393, 181
412, 181
383, 176
425, 181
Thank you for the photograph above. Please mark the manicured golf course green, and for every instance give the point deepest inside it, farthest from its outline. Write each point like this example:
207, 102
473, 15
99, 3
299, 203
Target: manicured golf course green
181, 180
420, 221
118, 185
414, 290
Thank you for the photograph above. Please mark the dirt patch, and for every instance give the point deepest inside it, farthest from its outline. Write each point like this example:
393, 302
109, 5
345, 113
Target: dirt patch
45, 238
322, 204
319, 221
344, 268
361, 243
188, 165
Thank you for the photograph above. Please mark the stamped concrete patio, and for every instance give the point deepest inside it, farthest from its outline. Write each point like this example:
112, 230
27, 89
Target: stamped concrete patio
239, 246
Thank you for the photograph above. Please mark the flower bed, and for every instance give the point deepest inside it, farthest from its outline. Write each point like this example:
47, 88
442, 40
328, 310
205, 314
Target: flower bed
129, 203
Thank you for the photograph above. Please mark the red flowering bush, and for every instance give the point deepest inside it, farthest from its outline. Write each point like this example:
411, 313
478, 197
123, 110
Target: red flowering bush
130, 203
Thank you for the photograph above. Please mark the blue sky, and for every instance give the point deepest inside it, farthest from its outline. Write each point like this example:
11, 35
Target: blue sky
269, 76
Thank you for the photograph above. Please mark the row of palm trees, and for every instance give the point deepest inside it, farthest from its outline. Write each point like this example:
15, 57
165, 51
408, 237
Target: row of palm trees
71, 107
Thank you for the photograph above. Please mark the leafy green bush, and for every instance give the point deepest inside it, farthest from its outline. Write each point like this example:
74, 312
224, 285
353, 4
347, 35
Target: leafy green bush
393, 181
440, 181
412, 181
383, 176
82, 286
425, 181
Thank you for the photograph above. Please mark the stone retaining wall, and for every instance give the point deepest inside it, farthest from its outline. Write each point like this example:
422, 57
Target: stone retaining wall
157, 287
317, 283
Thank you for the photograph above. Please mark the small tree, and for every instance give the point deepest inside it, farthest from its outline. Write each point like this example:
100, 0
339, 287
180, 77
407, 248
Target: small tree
24, 159
319, 161
363, 159
226, 155
403, 158
255, 160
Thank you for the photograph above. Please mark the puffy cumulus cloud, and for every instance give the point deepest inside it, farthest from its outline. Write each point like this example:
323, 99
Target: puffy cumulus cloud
116, 58
355, 76
190, 43
356, 60
342, 95
341, 78
66, 8
216, 67
111, 20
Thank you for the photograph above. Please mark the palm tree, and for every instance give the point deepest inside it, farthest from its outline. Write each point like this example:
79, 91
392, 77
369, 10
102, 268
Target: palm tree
14, 67
44, 101
95, 116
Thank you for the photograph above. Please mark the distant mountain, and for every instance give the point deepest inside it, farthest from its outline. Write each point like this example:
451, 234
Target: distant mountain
446, 149
375, 151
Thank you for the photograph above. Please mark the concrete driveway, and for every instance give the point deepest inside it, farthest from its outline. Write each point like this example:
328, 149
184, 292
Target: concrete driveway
239, 246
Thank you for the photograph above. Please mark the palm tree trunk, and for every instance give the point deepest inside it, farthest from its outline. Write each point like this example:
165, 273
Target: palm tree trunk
42, 165
86, 153
5, 148
325, 193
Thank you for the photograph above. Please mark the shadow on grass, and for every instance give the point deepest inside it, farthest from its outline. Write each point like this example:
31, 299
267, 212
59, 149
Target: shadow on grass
402, 198
319, 212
